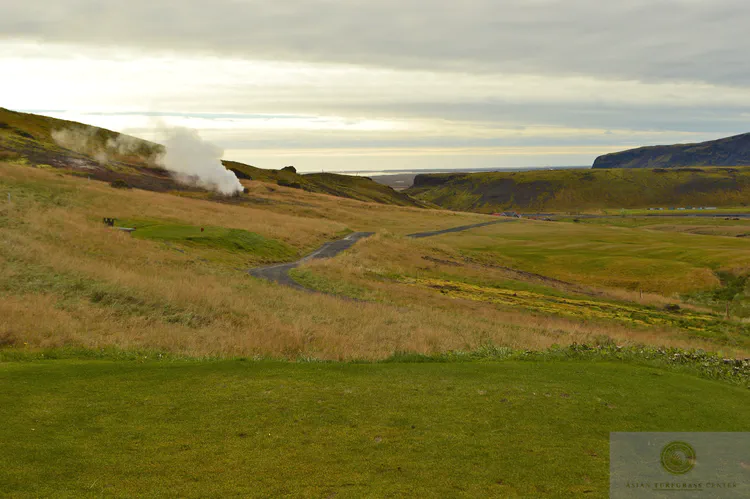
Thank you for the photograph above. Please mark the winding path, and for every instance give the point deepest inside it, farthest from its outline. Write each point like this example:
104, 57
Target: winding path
280, 273
420, 235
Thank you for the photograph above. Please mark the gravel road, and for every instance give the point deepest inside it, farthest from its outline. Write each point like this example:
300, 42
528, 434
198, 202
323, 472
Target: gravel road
280, 273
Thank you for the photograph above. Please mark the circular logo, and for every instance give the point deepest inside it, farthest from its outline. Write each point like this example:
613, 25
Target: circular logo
678, 457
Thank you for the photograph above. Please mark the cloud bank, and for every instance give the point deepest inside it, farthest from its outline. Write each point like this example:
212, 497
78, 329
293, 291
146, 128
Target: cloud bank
688, 40
259, 78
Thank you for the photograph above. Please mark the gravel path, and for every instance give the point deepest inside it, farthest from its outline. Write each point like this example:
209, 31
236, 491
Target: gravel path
420, 235
280, 273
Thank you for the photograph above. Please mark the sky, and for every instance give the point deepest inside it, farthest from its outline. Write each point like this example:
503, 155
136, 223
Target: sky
365, 85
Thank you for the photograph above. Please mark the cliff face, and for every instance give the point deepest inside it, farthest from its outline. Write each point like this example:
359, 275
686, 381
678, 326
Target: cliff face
730, 151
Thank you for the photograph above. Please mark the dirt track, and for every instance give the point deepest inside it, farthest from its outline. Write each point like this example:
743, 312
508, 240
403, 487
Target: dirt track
280, 273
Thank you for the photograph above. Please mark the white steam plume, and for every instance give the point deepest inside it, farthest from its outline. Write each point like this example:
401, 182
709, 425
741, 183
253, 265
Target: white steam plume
80, 140
191, 160
124, 144
88, 141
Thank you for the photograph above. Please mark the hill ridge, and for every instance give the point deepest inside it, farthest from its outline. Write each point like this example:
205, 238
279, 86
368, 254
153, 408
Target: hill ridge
584, 189
106, 155
727, 151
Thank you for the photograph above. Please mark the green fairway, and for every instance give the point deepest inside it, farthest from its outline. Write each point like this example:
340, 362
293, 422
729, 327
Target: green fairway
656, 261
76, 428
214, 238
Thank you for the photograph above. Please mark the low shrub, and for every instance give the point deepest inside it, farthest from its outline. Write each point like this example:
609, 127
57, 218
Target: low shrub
120, 184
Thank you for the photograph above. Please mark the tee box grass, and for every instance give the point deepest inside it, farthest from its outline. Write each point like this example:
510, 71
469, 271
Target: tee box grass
74, 428
218, 239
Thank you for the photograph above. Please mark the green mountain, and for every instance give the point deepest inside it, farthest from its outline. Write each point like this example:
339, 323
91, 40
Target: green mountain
584, 189
730, 151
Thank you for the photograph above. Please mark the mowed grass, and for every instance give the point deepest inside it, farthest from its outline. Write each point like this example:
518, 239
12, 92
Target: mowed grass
716, 225
182, 428
221, 242
615, 257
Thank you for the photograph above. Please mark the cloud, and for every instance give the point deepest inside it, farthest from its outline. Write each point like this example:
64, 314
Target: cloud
341, 98
265, 77
647, 40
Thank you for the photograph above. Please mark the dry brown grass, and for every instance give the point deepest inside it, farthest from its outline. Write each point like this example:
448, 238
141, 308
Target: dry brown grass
358, 215
369, 265
92, 200
67, 280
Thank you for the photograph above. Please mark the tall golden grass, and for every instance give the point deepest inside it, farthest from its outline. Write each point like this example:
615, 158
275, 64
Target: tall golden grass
56, 258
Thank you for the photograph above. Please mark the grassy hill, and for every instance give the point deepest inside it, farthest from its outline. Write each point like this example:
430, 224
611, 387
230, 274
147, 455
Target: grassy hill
573, 190
347, 186
101, 154
729, 151
78, 149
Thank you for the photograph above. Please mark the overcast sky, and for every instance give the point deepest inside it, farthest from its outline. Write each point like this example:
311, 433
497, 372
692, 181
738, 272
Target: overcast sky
388, 84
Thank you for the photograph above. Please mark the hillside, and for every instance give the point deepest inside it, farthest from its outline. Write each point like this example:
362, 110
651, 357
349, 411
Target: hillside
347, 186
573, 190
80, 149
101, 154
730, 151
